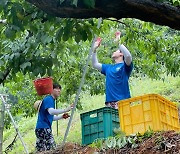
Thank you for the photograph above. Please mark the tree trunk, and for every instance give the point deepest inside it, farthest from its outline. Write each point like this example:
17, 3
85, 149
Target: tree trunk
146, 10
2, 109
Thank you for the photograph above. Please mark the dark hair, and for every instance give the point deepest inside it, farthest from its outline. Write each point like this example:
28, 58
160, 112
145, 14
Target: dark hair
121, 52
56, 85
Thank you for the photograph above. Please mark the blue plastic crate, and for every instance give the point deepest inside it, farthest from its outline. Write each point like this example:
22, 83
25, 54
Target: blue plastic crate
99, 123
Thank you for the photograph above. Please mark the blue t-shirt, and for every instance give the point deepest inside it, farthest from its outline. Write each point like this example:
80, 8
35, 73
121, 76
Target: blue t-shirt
44, 118
117, 76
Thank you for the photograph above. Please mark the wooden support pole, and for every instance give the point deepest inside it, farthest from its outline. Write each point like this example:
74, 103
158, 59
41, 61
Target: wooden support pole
2, 109
3, 99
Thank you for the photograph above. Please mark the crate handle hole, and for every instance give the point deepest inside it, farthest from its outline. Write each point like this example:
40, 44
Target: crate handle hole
94, 115
135, 103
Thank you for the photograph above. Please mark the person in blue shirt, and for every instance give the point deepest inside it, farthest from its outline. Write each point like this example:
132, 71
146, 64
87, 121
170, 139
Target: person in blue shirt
117, 75
46, 115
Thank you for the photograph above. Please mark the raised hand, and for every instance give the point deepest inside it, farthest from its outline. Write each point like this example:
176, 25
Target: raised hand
117, 36
97, 43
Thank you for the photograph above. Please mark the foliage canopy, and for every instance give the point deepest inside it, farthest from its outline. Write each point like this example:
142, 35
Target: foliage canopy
34, 44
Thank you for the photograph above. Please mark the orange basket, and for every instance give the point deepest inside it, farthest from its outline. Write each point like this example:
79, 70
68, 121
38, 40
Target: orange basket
43, 86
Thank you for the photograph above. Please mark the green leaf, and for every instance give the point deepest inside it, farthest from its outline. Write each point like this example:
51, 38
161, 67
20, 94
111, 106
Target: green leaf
46, 39
121, 142
1, 75
67, 30
59, 34
89, 3
84, 35
49, 62
36, 71
130, 140
3, 2
12, 56
33, 28
78, 37
6, 57
74, 2
42, 72
176, 2
61, 1
24, 65
124, 141
49, 72
1, 62
34, 15
66, 35
11, 34
110, 142
89, 34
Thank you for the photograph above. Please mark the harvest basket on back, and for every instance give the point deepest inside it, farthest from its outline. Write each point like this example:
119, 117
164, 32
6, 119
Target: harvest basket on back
43, 86
140, 113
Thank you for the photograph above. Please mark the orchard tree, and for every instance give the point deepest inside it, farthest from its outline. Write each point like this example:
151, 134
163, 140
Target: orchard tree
36, 44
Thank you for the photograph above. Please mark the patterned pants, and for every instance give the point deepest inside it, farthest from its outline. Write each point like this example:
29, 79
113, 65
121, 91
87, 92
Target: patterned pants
45, 140
112, 104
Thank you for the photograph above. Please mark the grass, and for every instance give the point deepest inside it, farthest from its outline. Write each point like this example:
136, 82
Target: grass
170, 89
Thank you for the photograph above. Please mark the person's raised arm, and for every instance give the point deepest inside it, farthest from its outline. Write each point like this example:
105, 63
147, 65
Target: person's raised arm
127, 54
95, 62
123, 49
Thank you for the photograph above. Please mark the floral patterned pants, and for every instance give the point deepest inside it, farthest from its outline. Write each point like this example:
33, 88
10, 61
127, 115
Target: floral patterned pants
45, 140
112, 104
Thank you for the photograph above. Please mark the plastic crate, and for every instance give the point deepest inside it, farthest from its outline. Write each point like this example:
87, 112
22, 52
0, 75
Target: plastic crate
140, 113
99, 123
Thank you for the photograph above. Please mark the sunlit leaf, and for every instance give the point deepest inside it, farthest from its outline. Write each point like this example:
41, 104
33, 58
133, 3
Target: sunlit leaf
24, 65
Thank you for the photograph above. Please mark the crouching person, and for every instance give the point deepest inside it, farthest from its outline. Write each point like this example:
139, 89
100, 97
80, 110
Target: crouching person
47, 113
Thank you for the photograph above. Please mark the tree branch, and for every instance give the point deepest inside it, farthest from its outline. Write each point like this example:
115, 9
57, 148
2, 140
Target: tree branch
146, 10
4, 75
117, 21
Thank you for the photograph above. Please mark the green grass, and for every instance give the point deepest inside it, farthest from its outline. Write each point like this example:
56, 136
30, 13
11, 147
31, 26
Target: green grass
170, 89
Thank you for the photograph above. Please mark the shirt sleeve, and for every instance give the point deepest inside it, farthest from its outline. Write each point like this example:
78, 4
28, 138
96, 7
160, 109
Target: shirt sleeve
48, 103
127, 54
56, 118
95, 62
53, 111
128, 69
104, 68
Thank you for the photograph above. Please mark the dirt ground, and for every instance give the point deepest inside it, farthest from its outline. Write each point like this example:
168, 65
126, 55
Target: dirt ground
167, 142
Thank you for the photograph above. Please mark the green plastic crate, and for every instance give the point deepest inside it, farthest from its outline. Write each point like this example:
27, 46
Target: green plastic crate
99, 123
